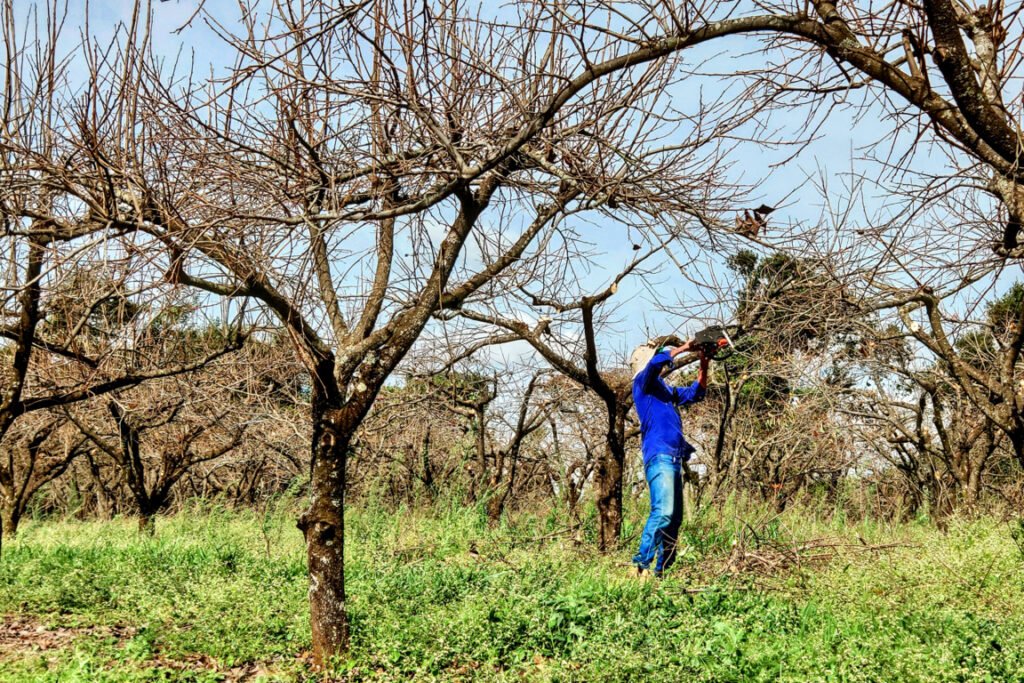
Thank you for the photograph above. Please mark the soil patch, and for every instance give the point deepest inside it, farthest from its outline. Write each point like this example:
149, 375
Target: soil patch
26, 636
23, 635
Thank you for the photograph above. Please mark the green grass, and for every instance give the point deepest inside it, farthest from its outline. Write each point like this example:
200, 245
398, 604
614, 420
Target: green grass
205, 601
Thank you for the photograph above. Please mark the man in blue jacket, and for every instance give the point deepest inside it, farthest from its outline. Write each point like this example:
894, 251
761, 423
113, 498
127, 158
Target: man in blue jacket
664, 448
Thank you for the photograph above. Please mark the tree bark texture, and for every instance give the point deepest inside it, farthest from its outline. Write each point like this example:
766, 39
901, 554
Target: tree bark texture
323, 523
609, 480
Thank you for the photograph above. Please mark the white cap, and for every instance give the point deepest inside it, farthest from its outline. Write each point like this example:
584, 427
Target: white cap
640, 357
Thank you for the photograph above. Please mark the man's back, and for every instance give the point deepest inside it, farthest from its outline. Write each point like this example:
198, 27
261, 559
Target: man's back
661, 428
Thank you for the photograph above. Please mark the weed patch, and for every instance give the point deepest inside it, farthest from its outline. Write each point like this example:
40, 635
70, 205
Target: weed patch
438, 595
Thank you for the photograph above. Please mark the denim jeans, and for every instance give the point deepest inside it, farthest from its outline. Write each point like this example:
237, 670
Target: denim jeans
665, 481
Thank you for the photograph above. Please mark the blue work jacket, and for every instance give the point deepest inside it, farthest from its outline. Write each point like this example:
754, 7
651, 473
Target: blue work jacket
661, 428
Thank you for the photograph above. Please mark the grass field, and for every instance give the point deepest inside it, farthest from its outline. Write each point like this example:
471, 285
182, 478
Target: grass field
436, 595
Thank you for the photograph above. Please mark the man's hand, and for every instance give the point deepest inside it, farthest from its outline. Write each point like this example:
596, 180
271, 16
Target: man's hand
688, 346
698, 349
682, 348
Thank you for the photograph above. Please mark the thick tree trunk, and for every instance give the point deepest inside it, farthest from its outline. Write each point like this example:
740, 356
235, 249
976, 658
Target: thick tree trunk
153, 503
323, 526
496, 504
972, 492
609, 481
982, 450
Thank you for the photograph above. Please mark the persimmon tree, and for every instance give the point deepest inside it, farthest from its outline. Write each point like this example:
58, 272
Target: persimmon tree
362, 167
357, 168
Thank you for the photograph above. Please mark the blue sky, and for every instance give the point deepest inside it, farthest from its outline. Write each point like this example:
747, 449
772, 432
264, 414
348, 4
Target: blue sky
835, 158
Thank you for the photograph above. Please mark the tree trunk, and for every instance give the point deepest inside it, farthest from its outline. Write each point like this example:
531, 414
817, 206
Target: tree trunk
976, 469
609, 481
1017, 445
323, 527
9, 518
495, 505
104, 503
477, 482
609, 500
429, 485
147, 524
972, 491
689, 498
914, 491
150, 504
720, 471
494, 501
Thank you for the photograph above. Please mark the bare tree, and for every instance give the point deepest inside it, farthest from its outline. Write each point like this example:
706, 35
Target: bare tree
161, 440
412, 442
469, 395
397, 127
945, 415
790, 324
36, 452
576, 443
581, 363
530, 416
984, 366
346, 136
73, 288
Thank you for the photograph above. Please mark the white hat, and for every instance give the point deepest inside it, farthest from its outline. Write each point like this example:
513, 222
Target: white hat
640, 357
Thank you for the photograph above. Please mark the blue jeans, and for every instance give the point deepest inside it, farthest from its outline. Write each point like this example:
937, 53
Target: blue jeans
665, 480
